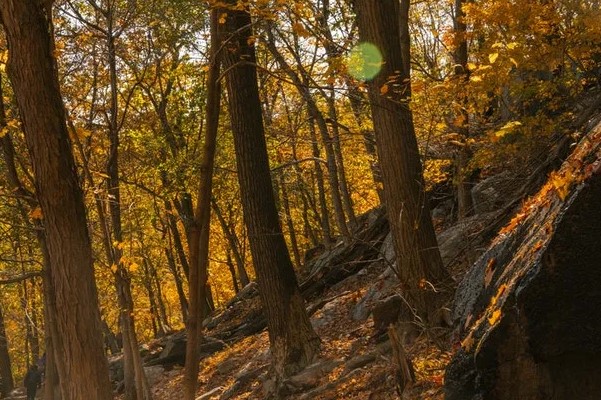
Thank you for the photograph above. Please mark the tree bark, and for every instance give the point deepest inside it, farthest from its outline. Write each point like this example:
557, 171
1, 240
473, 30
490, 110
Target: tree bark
136, 384
200, 229
294, 344
82, 366
6, 376
419, 263
289, 222
465, 203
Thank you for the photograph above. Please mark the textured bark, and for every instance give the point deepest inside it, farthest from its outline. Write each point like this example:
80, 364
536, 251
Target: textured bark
465, 204
81, 363
294, 344
418, 260
136, 384
6, 376
200, 229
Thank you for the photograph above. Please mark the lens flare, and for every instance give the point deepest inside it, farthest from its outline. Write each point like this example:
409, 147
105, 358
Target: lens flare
365, 61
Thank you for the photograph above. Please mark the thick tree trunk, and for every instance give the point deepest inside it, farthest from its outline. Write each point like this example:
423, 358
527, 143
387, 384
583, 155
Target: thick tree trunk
294, 344
419, 263
82, 366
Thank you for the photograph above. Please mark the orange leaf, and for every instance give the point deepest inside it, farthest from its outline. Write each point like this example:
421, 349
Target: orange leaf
36, 213
494, 317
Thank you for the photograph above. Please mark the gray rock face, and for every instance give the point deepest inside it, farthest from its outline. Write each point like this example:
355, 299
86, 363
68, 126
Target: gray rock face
528, 313
492, 193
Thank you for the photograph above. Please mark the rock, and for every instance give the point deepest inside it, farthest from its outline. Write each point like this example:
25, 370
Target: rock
227, 366
492, 193
382, 287
395, 310
116, 368
154, 373
327, 313
463, 242
346, 259
209, 345
387, 250
528, 313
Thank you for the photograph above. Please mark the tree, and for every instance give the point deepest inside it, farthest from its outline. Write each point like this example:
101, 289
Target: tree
419, 263
294, 344
200, 229
465, 205
6, 376
82, 366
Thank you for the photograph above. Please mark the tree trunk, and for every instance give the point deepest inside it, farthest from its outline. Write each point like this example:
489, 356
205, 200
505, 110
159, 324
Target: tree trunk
179, 286
323, 204
289, 222
199, 231
232, 269
82, 366
465, 204
132, 361
419, 263
234, 244
6, 376
294, 344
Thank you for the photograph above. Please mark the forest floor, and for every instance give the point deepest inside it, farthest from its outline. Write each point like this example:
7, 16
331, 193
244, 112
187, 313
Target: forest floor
343, 339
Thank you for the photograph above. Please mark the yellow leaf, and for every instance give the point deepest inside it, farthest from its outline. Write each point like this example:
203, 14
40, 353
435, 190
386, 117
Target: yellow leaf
114, 268
561, 184
472, 66
475, 78
222, 18
512, 45
133, 267
36, 213
3, 131
384, 89
497, 45
494, 317
493, 57
513, 61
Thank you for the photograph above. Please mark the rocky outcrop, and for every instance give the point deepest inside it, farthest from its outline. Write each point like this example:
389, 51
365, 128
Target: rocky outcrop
529, 311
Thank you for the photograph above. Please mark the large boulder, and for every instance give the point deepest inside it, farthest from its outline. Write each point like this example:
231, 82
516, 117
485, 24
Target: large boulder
529, 311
